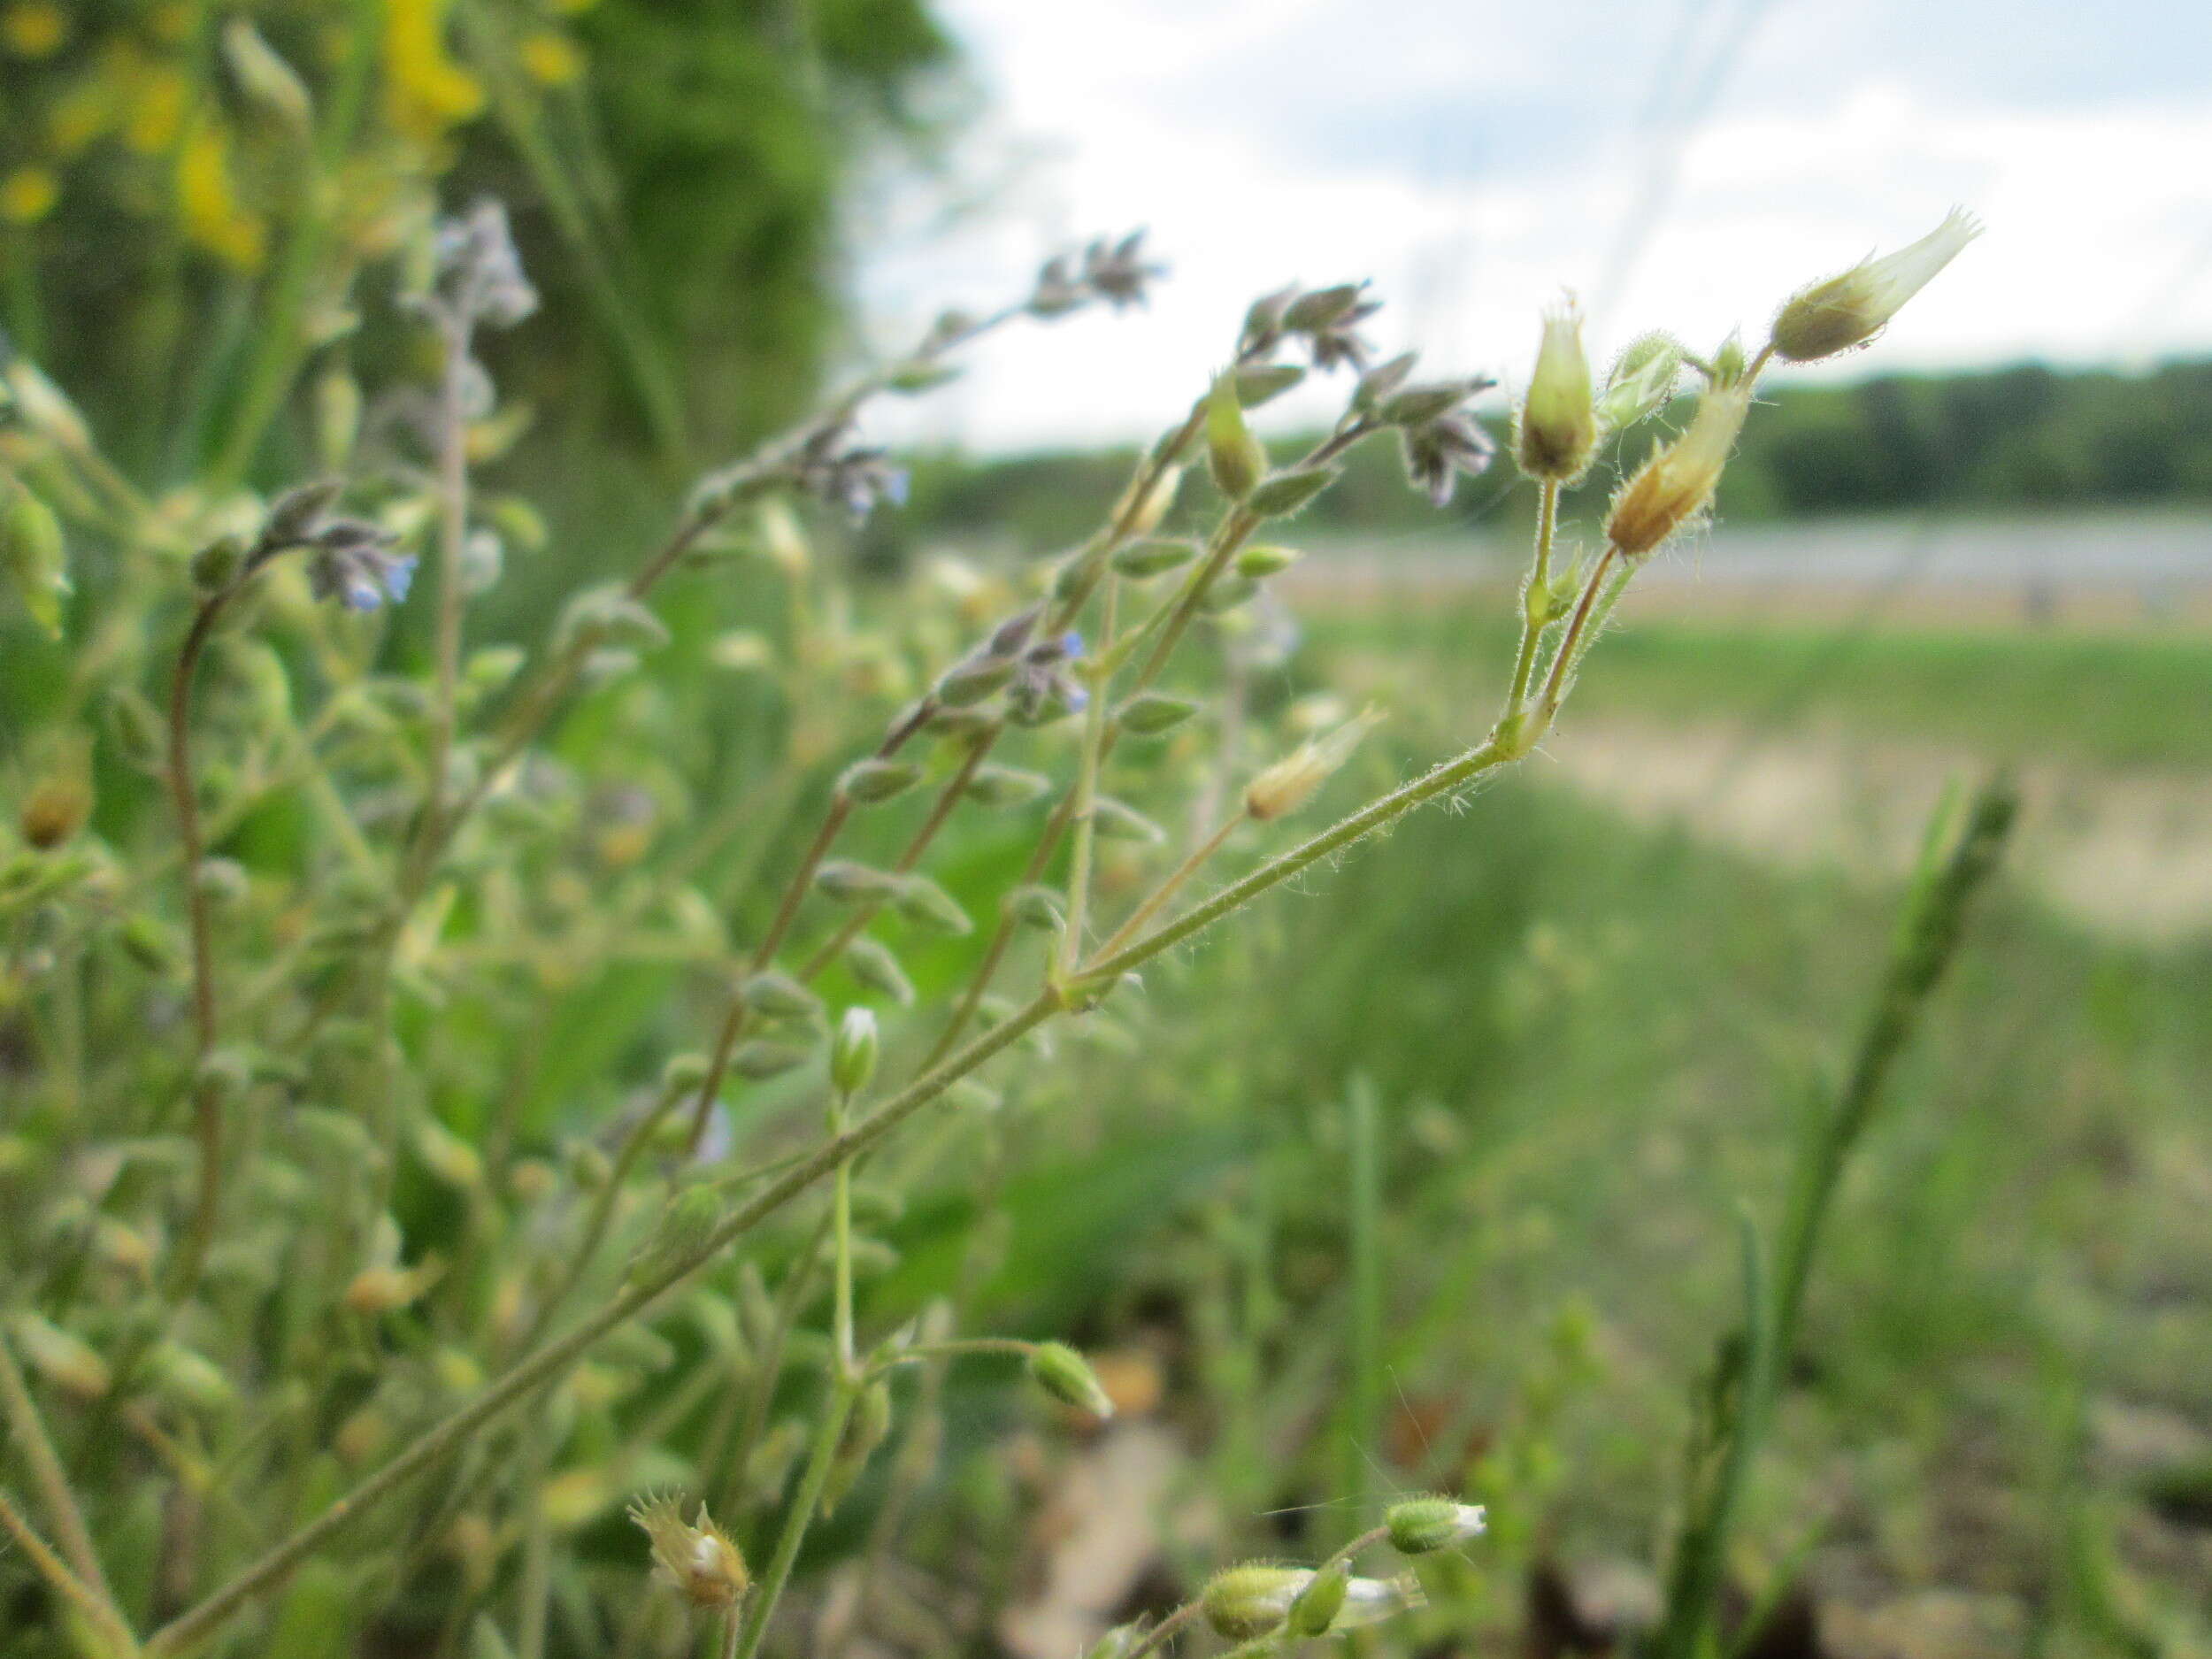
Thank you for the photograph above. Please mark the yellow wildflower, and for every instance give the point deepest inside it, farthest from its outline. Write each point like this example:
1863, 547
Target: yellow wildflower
34, 28
28, 194
213, 216
551, 60
426, 91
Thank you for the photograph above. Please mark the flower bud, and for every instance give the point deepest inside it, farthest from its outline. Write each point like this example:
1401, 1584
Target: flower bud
1676, 484
216, 565
1264, 559
1262, 382
1849, 310
1292, 781
1287, 493
1142, 559
1150, 713
972, 681
1236, 458
1320, 1602
1241, 1602
33, 555
869, 781
56, 808
1005, 785
1419, 1526
850, 883
1555, 428
872, 963
1067, 1377
925, 904
1642, 382
685, 1227
267, 80
853, 1052
697, 1558
1036, 907
1117, 821
759, 1061
62, 1359
779, 996
864, 1430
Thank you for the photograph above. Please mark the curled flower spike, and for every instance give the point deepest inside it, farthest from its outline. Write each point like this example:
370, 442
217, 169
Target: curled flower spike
1118, 271
479, 273
696, 1557
1850, 310
1438, 453
351, 561
840, 473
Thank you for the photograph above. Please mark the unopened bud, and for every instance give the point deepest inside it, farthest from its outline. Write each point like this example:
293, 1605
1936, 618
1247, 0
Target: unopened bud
925, 904
759, 1061
972, 681
1067, 1377
1265, 380
864, 1430
1242, 1602
1677, 484
1150, 713
33, 555
1036, 907
1147, 514
1006, 787
1236, 458
1320, 1602
1849, 310
55, 808
1266, 559
685, 1227
1142, 559
216, 565
779, 996
1287, 493
853, 1052
872, 963
62, 1359
1555, 429
869, 781
265, 78
850, 883
1642, 382
1419, 1526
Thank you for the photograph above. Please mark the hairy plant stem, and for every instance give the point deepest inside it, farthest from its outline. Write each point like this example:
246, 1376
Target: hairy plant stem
947, 798
207, 1100
64, 1583
453, 528
1535, 596
1570, 642
1166, 1629
847, 1365
1173, 884
28, 1429
1235, 528
798, 1516
1093, 754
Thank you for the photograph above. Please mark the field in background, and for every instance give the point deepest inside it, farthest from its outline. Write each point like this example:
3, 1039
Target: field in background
1585, 1003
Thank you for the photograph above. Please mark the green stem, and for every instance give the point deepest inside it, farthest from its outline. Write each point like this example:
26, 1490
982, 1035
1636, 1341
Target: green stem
1570, 642
842, 1232
1535, 596
1086, 800
61, 1580
797, 1517
1173, 884
29, 1431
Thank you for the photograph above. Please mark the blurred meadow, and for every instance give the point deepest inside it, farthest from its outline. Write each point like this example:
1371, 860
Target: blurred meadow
497, 1023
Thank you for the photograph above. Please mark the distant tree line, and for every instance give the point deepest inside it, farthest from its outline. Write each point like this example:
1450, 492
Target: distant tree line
2022, 438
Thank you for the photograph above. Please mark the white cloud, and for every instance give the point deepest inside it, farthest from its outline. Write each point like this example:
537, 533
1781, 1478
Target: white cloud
1259, 142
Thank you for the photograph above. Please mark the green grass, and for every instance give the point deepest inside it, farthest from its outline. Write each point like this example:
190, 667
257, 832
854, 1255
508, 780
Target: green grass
2103, 699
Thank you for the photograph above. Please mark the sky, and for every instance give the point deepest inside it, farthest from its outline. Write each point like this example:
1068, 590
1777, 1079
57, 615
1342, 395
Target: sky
1676, 164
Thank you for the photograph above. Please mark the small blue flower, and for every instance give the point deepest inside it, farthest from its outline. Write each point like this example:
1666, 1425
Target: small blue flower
352, 562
